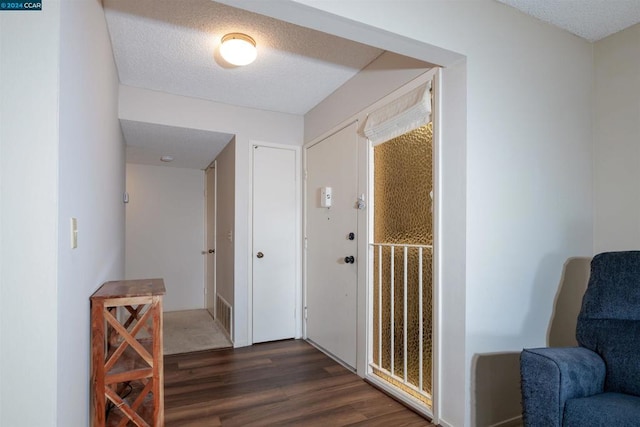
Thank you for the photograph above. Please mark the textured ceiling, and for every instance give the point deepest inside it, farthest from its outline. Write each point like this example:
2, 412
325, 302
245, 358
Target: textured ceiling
172, 46
190, 148
590, 19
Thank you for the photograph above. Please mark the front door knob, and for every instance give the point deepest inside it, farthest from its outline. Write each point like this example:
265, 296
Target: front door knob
349, 259
259, 254
212, 251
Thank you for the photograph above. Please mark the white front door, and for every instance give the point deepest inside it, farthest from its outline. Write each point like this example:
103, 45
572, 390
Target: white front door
210, 254
274, 243
331, 286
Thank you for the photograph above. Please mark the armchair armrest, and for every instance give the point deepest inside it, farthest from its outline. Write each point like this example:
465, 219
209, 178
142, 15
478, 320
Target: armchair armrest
551, 376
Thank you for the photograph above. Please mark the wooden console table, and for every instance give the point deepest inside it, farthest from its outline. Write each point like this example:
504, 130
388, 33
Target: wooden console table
126, 358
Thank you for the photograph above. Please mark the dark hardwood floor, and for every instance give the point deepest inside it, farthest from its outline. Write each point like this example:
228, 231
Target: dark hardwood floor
279, 383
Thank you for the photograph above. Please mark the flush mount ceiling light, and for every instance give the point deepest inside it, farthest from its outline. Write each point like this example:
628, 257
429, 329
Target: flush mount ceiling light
166, 159
238, 49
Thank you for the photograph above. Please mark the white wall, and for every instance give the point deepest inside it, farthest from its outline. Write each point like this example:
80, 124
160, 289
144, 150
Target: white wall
617, 141
29, 61
528, 161
226, 222
62, 155
165, 231
248, 125
451, 237
91, 183
385, 74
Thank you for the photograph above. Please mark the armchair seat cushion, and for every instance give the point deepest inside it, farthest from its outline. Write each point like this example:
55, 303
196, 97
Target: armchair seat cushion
604, 409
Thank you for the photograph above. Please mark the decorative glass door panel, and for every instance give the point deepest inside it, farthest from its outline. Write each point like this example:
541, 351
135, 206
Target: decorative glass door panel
403, 263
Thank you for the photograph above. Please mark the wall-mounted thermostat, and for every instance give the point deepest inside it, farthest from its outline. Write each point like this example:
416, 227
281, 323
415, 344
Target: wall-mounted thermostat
325, 197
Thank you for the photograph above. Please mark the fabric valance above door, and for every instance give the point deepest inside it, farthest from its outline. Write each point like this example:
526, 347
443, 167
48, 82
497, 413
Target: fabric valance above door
403, 115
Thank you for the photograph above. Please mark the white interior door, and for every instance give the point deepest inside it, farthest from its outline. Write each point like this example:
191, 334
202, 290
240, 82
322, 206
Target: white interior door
331, 285
210, 254
274, 243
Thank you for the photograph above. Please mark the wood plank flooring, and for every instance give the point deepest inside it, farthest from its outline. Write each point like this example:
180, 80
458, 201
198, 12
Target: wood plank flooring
279, 383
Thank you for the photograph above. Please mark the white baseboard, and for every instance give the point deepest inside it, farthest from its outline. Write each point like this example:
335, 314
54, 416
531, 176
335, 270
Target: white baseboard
239, 344
511, 422
444, 423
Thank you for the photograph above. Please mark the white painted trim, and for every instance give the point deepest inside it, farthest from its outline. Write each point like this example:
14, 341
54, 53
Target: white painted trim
304, 240
205, 245
250, 250
212, 165
436, 303
370, 254
364, 223
215, 241
298, 298
444, 423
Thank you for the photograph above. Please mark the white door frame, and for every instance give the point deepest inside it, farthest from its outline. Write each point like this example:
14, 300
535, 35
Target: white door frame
213, 165
365, 223
434, 76
298, 259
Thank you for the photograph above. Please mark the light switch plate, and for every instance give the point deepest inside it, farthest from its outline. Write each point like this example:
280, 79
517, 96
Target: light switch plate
74, 233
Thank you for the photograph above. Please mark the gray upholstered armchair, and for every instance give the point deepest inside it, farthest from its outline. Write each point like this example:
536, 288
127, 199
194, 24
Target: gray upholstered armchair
597, 383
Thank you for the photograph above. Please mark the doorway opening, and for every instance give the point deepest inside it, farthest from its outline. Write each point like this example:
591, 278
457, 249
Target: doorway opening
402, 268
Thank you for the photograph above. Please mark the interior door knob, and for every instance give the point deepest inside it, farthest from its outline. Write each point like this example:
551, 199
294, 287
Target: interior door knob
212, 251
259, 254
349, 259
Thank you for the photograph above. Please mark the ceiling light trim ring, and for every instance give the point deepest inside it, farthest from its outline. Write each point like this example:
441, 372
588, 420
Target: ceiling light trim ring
238, 49
239, 36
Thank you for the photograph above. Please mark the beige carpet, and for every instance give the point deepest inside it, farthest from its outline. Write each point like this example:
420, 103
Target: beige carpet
191, 330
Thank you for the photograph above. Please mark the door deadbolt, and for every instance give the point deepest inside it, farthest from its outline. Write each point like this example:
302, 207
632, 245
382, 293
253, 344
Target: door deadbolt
260, 255
349, 259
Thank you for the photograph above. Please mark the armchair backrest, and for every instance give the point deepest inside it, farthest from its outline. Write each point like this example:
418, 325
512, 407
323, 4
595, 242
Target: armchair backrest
609, 321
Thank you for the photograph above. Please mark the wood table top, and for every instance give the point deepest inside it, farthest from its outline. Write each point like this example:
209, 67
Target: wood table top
130, 288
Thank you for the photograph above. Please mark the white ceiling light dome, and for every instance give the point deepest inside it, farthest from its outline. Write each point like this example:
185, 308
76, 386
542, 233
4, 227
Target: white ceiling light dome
238, 49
